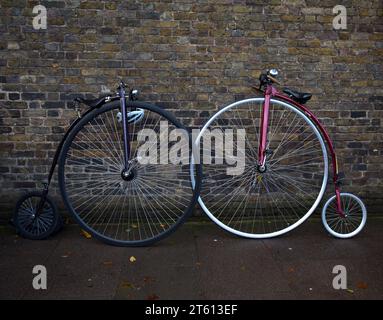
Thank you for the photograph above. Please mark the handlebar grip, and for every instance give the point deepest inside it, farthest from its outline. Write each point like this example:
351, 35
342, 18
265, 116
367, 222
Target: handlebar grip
273, 79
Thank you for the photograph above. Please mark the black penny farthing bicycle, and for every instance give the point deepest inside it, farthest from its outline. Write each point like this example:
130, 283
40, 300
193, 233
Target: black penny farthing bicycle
104, 181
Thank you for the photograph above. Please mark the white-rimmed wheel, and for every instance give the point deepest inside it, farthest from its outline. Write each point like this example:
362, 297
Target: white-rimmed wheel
253, 201
349, 224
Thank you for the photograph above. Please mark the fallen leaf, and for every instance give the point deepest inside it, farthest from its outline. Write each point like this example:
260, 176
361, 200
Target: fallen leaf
291, 270
243, 268
66, 254
86, 234
152, 297
198, 264
362, 285
132, 259
134, 226
127, 285
350, 291
107, 263
55, 65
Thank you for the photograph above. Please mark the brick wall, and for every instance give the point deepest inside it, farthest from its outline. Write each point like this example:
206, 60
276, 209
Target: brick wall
192, 57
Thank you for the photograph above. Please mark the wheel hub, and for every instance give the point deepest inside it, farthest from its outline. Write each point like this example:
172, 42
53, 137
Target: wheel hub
128, 175
262, 168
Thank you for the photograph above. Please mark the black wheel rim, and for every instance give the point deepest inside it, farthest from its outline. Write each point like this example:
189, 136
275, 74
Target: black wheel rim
31, 222
112, 230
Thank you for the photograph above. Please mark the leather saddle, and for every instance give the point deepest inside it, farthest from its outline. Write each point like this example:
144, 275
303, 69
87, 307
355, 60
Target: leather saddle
299, 97
93, 103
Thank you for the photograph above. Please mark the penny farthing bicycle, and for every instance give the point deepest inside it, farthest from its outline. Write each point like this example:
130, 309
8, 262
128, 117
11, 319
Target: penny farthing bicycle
104, 182
285, 171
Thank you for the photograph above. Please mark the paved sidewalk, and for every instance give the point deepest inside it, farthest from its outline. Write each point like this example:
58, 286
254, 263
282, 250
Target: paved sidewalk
199, 261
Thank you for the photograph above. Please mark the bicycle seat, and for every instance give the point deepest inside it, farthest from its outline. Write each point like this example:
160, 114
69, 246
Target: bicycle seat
300, 97
93, 103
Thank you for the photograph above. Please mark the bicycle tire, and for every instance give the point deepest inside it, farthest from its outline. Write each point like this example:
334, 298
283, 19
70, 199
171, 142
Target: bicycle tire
25, 222
91, 116
219, 217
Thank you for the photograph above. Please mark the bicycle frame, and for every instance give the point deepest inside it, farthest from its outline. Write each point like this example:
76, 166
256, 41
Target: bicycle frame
54, 163
56, 157
121, 92
273, 92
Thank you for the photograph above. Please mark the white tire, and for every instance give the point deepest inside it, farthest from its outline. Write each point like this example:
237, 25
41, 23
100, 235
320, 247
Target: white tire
352, 223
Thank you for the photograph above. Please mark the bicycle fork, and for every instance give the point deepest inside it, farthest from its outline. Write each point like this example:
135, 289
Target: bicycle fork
126, 172
262, 146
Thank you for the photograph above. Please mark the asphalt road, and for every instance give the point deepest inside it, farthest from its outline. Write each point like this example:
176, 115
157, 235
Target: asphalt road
199, 261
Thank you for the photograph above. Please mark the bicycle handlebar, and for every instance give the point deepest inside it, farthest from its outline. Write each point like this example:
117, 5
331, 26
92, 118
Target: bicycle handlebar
273, 79
269, 77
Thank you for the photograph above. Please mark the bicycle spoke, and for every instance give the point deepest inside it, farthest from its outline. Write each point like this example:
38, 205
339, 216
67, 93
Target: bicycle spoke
145, 206
261, 204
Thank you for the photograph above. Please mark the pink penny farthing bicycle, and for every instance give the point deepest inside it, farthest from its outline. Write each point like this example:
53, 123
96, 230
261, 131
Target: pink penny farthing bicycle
284, 173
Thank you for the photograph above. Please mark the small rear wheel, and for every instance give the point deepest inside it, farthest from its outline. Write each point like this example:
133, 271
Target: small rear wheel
32, 225
353, 221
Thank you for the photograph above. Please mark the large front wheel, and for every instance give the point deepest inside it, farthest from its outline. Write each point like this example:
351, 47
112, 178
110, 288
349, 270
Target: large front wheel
253, 201
131, 206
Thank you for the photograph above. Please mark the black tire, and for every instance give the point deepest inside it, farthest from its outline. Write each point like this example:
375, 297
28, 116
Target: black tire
87, 119
41, 227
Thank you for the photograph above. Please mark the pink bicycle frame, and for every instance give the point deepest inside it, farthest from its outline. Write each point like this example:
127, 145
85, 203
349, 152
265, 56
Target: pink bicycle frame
272, 92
